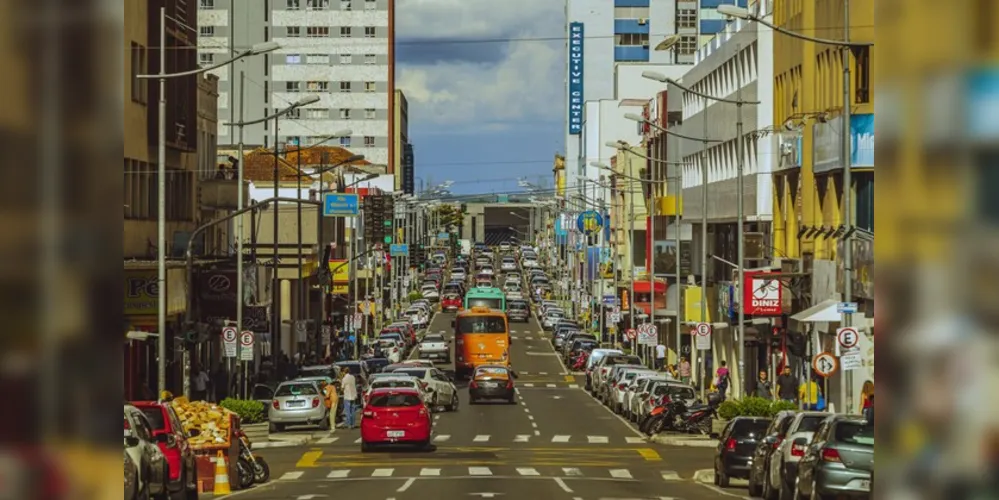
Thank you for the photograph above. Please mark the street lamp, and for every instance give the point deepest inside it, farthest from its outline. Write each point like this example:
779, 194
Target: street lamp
162, 76
845, 135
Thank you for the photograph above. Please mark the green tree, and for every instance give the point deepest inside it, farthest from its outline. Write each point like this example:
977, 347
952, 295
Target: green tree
449, 216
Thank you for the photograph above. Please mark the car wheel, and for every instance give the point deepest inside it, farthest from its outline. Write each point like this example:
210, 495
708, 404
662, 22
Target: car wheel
191, 490
717, 478
144, 492
785, 491
722, 479
365, 447
768, 491
454, 403
754, 487
815, 492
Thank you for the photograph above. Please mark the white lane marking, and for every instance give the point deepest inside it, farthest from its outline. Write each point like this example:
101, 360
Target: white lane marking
620, 474
481, 438
537, 432
669, 475
327, 440
572, 471
522, 438
441, 438
551, 386
527, 471
543, 373
574, 386
530, 417
534, 424
634, 440
560, 439
562, 484
308, 497
357, 441
479, 471
291, 476
338, 474
528, 338
382, 473
409, 482
430, 472
528, 385
597, 439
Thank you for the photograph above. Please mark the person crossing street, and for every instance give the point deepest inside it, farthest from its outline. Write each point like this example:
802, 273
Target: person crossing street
349, 384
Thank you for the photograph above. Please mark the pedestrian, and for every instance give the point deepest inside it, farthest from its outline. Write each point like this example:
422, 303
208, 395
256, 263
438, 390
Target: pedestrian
349, 385
764, 389
869, 409
684, 370
671, 373
200, 382
787, 386
722, 377
808, 393
660, 356
332, 398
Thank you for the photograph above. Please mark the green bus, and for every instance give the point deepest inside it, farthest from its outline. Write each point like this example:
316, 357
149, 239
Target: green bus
493, 298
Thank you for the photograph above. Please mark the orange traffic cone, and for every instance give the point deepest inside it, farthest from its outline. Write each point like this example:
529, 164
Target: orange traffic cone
221, 476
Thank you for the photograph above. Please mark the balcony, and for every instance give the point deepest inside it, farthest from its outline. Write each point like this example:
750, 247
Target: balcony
222, 194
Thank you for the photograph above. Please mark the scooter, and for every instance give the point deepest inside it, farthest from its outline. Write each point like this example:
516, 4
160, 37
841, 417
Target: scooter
579, 362
697, 418
252, 469
653, 422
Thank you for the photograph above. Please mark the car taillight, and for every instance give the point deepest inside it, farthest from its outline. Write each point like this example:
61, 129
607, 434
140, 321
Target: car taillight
730, 445
509, 384
797, 450
473, 385
777, 443
276, 405
830, 455
127, 425
368, 414
622, 387
423, 412
315, 402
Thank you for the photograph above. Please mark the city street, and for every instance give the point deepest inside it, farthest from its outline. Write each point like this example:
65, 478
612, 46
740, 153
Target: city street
557, 443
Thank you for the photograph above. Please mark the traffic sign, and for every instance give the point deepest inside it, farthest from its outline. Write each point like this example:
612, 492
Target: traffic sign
399, 250
825, 364
648, 334
229, 341
246, 340
847, 337
340, 205
703, 337
704, 329
846, 308
631, 333
327, 333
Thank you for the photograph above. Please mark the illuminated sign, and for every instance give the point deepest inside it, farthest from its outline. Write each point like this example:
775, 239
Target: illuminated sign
575, 78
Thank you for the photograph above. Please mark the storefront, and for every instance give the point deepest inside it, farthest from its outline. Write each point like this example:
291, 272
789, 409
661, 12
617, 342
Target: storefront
141, 315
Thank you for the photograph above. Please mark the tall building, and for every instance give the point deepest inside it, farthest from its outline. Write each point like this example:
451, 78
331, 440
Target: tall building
340, 49
709, 21
401, 145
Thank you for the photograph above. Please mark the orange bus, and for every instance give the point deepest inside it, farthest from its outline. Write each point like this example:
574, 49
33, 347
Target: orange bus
481, 337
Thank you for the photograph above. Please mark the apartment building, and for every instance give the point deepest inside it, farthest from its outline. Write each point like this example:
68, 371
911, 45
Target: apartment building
340, 49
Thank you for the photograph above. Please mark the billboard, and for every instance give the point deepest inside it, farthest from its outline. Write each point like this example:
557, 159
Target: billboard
408, 166
762, 295
575, 79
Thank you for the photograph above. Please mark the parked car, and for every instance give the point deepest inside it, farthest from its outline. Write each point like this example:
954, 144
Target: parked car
839, 460
392, 349
595, 356
169, 434
617, 391
736, 444
297, 403
765, 450
395, 416
430, 292
603, 367
149, 460
131, 478
640, 395
784, 463
492, 382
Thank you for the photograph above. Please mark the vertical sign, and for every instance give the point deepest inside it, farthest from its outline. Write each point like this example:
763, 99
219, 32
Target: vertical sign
229, 341
246, 346
575, 78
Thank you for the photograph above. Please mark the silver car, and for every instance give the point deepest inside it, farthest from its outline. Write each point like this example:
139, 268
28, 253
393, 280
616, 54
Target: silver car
298, 403
131, 478
784, 463
839, 460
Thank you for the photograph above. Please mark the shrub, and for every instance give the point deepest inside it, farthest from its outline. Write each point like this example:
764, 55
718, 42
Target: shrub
414, 296
753, 407
249, 411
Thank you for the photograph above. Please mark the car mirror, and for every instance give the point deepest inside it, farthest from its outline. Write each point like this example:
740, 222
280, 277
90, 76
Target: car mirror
131, 441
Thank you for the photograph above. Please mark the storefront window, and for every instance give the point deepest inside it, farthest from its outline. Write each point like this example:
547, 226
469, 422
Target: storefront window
865, 200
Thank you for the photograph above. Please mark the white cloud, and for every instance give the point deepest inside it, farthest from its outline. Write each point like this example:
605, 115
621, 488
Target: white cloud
524, 85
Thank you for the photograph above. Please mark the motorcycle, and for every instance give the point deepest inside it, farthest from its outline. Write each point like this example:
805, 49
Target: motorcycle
696, 419
579, 362
252, 469
653, 422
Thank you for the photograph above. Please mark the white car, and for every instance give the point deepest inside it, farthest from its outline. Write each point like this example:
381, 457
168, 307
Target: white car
430, 292
417, 316
529, 263
508, 264
487, 270
392, 380
505, 246
619, 392
784, 461
551, 317
141, 447
392, 349
458, 274
442, 391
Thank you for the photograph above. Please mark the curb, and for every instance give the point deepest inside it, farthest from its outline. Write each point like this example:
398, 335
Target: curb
706, 476
682, 441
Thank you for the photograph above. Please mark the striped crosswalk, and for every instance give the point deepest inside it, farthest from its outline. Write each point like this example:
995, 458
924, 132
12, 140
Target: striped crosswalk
407, 472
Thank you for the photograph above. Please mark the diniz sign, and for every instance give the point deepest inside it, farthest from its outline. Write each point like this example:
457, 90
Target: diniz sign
575, 78
762, 295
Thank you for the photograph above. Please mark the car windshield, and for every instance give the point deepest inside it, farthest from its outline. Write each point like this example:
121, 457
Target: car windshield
419, 373
353, 368
587, 344
491, 371
750, 428
155, 416
451, 296
481, 302
296, 390
855, 433
392, 384
394, 400
433, 338
516, 305
810, 423
481, 324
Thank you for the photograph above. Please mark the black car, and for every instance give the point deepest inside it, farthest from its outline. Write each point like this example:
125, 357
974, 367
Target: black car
518, 310
736, 447
375, 365
492, 382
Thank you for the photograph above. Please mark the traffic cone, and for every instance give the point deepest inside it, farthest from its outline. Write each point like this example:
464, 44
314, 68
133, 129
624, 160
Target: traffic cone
221, 476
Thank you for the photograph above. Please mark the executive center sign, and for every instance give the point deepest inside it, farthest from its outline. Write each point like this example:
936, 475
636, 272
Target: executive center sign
575, 78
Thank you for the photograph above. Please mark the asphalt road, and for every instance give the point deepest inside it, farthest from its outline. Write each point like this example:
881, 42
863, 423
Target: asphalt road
556, 443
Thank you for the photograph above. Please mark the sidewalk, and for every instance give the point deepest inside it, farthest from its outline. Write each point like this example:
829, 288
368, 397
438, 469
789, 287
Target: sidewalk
261, 438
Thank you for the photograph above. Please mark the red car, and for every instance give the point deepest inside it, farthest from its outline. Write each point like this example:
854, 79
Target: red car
172, 440
395, 416
451, 302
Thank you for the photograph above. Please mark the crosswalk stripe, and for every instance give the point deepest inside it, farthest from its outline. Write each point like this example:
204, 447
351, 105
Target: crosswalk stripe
441, 438
597, 439
291, 476
481, 438
572, 471
543, 373
430, 472
479, 471
339, 474
634, 440
574, 386
527, 471
523, 438
528, 385
382, 473
620, 473
560, 439
551, 386
327, 440
528, 338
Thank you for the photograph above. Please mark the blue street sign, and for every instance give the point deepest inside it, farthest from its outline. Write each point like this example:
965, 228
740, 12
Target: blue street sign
846, 308
443, 236
340, 205
399, 250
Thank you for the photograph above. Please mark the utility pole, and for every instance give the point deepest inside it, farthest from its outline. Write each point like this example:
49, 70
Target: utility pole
846, 380
741, 244
699, 364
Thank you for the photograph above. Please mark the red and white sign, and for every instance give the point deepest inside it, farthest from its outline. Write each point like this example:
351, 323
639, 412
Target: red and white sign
847, 337
632, 334
762, 295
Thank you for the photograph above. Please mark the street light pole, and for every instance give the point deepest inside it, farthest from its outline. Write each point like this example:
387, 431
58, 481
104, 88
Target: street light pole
740, 232
161, 278
846, 382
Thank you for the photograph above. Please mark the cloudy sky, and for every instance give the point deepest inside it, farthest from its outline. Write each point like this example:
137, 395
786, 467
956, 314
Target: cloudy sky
484, 80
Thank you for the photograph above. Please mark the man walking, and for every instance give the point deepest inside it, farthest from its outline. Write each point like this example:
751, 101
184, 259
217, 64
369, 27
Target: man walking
349, 385
764, 388
660, 356
787, 386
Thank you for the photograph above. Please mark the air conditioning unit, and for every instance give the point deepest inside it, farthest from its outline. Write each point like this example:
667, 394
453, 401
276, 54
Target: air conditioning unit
645, 45
643, 21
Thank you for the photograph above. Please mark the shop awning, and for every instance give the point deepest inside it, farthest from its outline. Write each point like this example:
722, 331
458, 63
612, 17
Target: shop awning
823, 312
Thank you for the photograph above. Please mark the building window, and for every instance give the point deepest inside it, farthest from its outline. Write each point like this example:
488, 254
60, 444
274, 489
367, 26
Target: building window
370, 5
344, 114
207, 4
318, 4
369, 141
631, 13
139, 89
317, 114
632, 39
369, 32
317, 86
370, 59
318, 32
206, 58
292, 140
345, 32
687, 45
293, 114
345, 142
293, 59
318, 59
865, 200
863, 78
294, 31
206, 30
345, 58
369, 113
345, 87
686, 18
292, 86
369, 86
294, 4
345, 5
